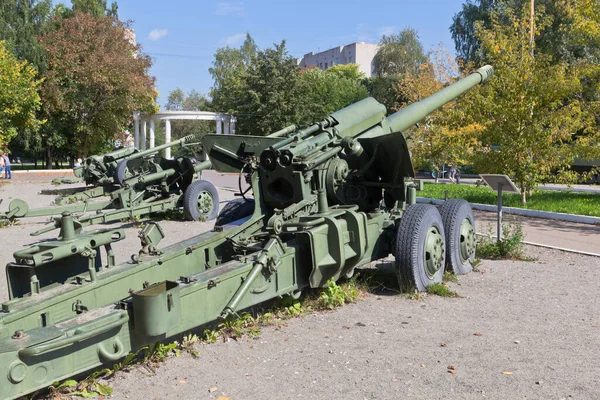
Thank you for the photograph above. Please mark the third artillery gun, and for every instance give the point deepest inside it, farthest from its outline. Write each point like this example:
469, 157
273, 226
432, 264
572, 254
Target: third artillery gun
326, 200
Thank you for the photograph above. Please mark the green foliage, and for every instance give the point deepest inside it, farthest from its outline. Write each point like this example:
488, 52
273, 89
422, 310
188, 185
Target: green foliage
267, 91
529, 110
96, 8
158, 351
543, 200
334, 296
449, 277
19, 98
510, 247
193, 101
399, 53
323, 92
440, 289
293, 307
96, 79
210, 335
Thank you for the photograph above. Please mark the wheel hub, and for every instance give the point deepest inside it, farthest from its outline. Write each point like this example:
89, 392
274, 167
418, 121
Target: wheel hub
434, 252
205, 202
467, 241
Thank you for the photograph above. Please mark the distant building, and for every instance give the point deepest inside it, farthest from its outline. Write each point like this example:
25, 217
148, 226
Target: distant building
358, 53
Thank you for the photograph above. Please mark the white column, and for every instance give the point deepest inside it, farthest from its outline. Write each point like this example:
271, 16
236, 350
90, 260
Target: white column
144, 135
219, 128
136, 130
168, 137
232, 125
151, 133
226, 126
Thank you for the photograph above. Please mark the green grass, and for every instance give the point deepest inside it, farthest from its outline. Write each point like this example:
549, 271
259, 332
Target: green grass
440, 289
543, 200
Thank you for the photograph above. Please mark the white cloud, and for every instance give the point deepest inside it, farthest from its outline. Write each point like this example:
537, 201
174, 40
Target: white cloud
233, 40
387, 30
158, 34
235, 9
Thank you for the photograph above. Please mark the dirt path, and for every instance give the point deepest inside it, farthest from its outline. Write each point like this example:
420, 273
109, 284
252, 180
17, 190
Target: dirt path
538, 322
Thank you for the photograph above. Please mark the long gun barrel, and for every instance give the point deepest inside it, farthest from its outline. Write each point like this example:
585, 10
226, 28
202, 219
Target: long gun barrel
412, 114
143, 153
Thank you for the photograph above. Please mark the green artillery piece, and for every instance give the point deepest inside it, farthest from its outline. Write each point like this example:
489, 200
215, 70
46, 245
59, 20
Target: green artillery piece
108, 172
170, 188
327, 199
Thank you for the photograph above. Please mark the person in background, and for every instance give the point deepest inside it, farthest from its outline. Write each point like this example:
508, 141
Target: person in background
1, 164
452, 174
7, 171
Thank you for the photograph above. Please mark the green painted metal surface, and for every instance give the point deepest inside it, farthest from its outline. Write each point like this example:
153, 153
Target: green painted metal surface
324, 204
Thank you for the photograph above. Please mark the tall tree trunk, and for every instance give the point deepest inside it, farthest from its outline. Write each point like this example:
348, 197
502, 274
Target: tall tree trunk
49, 152
523, 193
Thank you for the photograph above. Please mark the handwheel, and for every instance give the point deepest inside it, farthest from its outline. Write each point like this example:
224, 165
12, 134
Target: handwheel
420, 247
200, 201
459, 226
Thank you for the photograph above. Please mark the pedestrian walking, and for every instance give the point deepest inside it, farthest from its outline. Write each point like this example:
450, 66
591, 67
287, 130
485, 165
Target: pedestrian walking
452, 175
7, 171
1, 165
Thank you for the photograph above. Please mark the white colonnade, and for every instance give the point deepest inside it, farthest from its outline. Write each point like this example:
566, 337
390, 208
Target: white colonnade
225, 125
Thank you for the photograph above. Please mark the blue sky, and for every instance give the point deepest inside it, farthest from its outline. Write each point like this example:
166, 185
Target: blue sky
182, 36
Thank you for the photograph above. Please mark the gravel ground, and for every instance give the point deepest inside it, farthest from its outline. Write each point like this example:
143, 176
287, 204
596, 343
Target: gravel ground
520, 330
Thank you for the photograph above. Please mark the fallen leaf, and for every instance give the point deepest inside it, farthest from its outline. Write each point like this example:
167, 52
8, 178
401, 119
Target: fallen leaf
222, 398
452, 371
451, 367
212, 390
181, 382
478, 334
286, 339
360, 324
248, 374
507, 372
444, 345
346, 327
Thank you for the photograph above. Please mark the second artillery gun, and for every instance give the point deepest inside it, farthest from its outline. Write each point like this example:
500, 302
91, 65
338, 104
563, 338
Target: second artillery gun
326, 200
132, 179
107, 172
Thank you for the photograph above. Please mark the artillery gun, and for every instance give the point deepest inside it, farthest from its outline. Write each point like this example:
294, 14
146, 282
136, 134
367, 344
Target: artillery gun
172, 187
319, 211
108, 172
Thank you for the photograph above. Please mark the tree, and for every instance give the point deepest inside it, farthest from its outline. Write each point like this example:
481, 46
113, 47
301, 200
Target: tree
20, 22
529, 111
175, 100
96, 79
257, 86
322, 92
19, 98
194, 101
398, 54
95, 7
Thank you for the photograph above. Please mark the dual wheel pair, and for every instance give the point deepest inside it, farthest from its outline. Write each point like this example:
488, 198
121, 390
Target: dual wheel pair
428, 241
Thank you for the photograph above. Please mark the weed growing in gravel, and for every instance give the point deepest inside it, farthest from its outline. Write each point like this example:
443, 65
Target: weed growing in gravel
440, 289
334, 296
510, 247
449, 277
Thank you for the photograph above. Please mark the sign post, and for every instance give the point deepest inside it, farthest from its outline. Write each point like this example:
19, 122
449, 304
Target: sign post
500, 183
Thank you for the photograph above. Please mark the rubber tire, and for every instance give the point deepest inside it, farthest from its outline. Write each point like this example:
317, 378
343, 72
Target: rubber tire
121, 172
453, 212
234, 210
190, 200
410, 243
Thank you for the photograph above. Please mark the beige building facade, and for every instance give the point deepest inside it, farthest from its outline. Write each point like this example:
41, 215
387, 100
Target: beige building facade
358, 53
